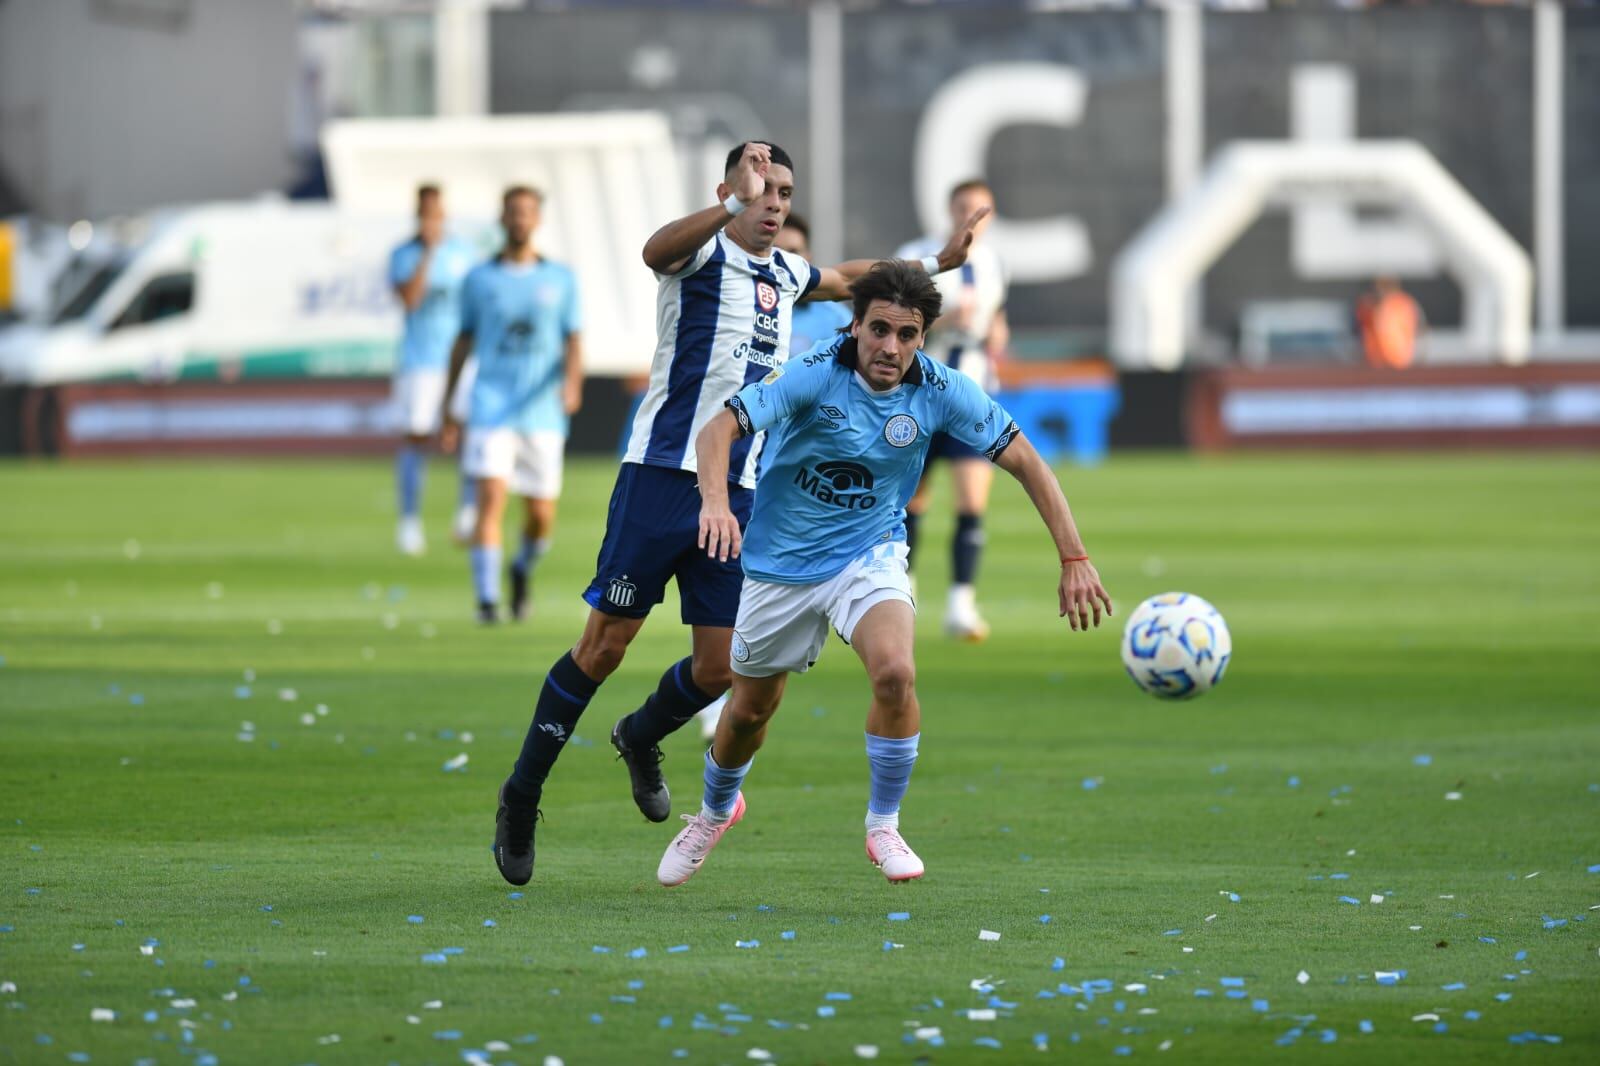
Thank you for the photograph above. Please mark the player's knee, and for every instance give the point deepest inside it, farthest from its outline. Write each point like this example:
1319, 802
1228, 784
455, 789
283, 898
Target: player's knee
749, 716
599, 653
711, 676
894, 679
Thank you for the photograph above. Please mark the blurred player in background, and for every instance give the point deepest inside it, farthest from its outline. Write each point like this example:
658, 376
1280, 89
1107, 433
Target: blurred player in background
824, 547
814, 322
724, 303
426, 272
972, 333
520, 321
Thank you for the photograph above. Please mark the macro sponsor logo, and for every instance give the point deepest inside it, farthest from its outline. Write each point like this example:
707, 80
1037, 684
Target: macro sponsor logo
838, 483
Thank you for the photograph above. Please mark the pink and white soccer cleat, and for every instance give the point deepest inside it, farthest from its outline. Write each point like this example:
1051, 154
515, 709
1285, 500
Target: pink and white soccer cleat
890, 853
693, 843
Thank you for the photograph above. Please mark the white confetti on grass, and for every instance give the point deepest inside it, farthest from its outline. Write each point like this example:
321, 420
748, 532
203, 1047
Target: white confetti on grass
102, 1014
988, 934
866, 1051
1302, 977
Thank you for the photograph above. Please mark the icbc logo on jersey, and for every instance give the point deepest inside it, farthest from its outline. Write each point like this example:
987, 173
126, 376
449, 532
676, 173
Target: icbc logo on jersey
766, 296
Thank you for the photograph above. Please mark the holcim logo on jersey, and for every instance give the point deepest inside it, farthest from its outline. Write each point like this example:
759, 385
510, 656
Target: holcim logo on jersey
750, 353
832, 481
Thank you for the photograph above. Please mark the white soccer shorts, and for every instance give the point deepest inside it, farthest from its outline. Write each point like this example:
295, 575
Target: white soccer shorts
784, 627
529, 463
418, 398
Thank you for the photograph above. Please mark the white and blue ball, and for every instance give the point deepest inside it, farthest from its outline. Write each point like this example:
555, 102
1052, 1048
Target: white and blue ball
1176, 646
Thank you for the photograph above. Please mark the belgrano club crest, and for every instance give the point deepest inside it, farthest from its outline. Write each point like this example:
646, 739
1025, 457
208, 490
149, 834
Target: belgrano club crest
621, 591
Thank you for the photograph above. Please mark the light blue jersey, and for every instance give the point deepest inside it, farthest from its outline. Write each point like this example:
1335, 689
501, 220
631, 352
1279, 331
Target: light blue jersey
520, 316
432, 327
816, 322
842, 460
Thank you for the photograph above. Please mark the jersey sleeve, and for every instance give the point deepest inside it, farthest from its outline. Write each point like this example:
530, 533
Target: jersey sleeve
973, 417
696, 261
572, 308
469, 301
401, 265
763, 404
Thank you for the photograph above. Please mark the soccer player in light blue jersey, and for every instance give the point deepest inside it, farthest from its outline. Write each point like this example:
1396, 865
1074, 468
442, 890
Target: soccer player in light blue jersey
848, 429
725, 296
520, 322
426, 273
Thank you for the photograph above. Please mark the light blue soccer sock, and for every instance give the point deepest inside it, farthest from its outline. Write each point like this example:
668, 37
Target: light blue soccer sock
891, 762
408, 468
529, 554
486, 573
722, 788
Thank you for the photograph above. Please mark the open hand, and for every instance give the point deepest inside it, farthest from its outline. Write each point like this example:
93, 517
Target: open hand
1081, 593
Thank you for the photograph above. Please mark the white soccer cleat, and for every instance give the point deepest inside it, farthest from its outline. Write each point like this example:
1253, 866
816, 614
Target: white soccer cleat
693, 843
708, 717
969, 627
466, 521
890, 853
409, 538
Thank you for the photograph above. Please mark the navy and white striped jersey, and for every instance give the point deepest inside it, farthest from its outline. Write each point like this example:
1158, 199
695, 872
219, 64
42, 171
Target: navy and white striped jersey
721, 322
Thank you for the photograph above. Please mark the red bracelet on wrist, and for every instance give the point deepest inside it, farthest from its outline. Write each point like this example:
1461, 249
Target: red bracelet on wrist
1074, 559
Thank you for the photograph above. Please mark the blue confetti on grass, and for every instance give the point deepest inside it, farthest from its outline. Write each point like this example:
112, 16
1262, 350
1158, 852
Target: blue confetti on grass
1294, 782
986, 1041
1058, 964
1595, 869
1423, 760
1454, 986
1553, 923
1090, 784
435, 958
514, 895
1471, 1015
447, 1034
600, 949
826, 1011
899, 916
415, 919
1232, 982
1173, 932
677, 949
839, 997
1350, 900
1520, 956
1260, 1006
747, 943
787, 934
1044, 919
1364, 1025
488, 923
637, 953
1487, 940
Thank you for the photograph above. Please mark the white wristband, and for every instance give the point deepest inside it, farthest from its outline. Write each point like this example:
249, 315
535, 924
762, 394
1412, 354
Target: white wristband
733, 205
930, 263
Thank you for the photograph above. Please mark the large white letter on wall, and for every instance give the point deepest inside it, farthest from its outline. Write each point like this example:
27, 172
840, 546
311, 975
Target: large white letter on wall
953, 143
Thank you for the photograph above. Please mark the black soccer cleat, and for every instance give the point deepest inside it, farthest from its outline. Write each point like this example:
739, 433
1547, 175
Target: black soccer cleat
488, 613
519, 594
513, 840
644, 768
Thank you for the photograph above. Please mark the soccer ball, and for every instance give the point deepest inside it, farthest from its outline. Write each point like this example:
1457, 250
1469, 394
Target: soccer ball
1176, 646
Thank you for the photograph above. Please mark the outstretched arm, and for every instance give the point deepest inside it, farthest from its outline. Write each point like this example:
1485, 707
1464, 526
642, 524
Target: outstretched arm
1080, 590
670, 247
719, 529
835, 283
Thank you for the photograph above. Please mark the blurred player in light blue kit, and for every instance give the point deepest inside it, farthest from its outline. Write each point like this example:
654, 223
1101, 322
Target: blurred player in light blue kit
426, 273
848, 428
520, 321
970, 336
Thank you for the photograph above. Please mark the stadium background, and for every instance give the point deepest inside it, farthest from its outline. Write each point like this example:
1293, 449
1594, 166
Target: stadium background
250, 750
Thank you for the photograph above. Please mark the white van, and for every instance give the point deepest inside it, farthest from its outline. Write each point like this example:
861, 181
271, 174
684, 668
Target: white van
226, 292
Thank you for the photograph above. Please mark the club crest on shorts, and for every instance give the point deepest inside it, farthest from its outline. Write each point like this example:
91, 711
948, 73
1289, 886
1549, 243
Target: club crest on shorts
741, 650
622, 592
901, 430
766, 296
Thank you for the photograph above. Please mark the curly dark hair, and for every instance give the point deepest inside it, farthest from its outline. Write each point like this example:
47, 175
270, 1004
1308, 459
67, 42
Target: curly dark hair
897, 281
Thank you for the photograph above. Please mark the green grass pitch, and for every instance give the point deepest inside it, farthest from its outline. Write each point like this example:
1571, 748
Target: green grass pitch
1410, 714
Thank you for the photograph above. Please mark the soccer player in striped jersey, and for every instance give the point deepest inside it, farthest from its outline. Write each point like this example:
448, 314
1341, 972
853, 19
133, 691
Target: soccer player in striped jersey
969, 336
848, 431
723, 316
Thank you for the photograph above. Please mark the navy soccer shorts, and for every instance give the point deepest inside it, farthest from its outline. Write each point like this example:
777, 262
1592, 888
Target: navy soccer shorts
652, 525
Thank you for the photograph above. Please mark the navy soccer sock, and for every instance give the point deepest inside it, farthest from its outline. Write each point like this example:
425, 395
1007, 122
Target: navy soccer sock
912, 522
676, 700
966, 548
567, 691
